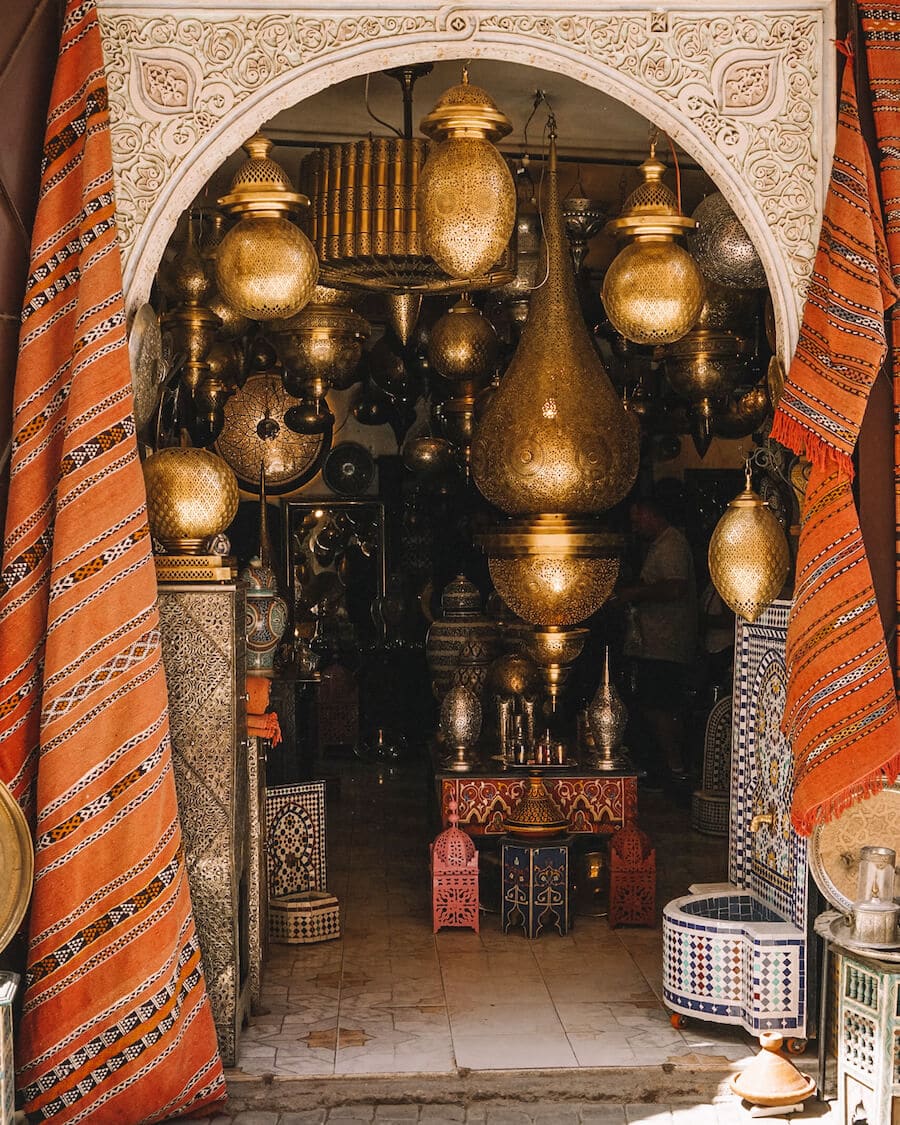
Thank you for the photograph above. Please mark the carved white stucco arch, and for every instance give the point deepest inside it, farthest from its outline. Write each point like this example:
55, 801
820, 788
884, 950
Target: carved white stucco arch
747, 94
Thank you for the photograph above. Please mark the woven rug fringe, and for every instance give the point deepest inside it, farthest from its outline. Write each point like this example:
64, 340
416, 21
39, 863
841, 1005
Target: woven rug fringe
796, 437
862, 788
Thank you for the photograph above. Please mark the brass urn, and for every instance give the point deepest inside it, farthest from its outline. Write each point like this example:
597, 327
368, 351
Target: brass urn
749, 558
192, 495
323, 342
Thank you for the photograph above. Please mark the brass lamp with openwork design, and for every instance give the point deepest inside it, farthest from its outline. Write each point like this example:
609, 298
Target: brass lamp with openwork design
749, 558
466, 196
265, 265
553, 448
653, 289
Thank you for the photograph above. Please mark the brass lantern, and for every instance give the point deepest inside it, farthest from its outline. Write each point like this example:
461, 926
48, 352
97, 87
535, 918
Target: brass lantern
192, 495
722, 248
324, 341
463, 345
265, 265
749, 557
466, 197
554, 446
653, 290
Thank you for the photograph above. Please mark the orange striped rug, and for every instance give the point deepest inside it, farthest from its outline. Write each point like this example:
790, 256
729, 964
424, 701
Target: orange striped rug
116, 1025
841, 709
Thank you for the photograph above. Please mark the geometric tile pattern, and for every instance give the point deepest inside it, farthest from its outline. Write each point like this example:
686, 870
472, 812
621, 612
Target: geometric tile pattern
295, 833
730, 959
771, 863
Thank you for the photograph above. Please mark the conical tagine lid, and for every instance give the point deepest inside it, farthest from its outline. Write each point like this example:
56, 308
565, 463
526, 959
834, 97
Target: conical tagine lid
555, 438
771, 1079
537, 814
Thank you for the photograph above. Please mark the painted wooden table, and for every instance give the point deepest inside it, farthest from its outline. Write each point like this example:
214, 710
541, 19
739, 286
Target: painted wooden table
593, 802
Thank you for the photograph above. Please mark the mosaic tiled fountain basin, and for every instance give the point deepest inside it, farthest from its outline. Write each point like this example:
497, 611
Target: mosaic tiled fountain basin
729, 958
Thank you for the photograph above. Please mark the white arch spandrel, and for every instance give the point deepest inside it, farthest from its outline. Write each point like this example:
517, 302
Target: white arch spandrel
747, 94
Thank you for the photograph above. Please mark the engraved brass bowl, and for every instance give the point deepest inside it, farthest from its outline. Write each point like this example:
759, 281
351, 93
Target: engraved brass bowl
324, 340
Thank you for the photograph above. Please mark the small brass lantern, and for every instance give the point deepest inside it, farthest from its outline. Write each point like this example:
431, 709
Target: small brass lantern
749, 557
653, 290
265, 265
466, 196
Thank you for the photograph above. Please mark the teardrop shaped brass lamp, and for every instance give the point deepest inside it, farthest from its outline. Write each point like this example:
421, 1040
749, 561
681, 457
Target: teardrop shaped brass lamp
403, 310
749, 557
265, 265
653, 290
553, 447
466, 196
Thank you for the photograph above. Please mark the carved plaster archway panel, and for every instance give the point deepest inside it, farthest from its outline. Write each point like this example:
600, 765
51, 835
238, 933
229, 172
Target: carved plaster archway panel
746, 93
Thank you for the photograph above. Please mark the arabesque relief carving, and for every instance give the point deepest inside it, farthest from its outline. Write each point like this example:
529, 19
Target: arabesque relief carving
742, 90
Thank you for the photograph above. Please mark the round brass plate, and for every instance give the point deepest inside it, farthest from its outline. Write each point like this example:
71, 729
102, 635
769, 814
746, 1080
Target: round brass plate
16, 863
834, 846
290, 459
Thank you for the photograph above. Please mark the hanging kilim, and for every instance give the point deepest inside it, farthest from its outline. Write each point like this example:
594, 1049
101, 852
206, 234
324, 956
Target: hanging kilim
116, 1025
881, 34
841, 708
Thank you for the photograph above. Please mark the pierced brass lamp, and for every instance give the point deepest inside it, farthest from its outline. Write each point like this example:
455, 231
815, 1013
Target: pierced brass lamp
265, 265
553, 448
653, 290
466, 197
749, 557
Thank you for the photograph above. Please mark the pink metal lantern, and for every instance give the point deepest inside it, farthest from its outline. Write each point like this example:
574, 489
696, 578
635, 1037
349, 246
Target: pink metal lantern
454, 877
632, 870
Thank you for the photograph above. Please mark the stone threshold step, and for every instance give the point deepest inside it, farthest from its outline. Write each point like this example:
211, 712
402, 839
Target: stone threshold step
615, 1085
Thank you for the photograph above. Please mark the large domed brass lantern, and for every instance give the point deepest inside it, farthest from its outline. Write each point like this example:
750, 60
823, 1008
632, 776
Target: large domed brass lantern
192, 495
466, 197
554, 447
653, 290
749, 557
265, 265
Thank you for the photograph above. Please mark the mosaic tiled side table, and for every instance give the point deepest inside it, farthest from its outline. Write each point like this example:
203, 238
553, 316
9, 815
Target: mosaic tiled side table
536, 885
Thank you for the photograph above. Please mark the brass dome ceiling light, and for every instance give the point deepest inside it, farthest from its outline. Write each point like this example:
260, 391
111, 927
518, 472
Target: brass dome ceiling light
265, 265
653, 290
554, 447
467, 197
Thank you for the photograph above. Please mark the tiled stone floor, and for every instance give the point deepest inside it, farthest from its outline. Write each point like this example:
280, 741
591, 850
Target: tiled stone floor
392, 998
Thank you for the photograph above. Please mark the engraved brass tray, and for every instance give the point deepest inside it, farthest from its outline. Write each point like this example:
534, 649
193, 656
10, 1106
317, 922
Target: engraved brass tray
16, 863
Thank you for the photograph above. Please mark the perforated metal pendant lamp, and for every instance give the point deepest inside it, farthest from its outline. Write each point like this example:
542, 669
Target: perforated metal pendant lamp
749, 557
653, 290
555, 437
466, 195
265, 265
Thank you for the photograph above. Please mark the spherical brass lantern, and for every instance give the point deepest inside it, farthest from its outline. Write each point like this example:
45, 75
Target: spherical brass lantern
265, 265
749, 557
722, 248
191, 496
466, 197
463, 344
653, 290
